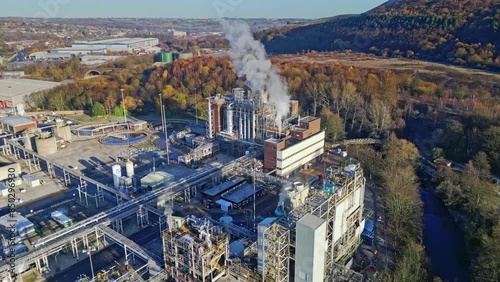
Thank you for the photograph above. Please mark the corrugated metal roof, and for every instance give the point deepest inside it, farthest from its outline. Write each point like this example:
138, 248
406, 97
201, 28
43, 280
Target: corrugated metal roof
16, 217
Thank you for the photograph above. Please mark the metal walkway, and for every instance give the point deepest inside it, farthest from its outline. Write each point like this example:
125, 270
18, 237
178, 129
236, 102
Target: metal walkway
126, 242
44, 245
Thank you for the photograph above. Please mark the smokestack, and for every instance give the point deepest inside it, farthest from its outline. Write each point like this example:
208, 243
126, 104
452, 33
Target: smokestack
249, 60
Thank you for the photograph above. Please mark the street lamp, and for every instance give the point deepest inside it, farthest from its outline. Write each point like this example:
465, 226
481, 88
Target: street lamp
124, 109
166, 138
161, 113
196, 105
89, 253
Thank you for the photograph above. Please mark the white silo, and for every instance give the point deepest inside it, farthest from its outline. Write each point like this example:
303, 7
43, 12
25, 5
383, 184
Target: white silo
130, 168
229, 119
20, 109
117, 173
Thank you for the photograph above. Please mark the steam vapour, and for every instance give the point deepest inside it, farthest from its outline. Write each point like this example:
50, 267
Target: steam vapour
249, 60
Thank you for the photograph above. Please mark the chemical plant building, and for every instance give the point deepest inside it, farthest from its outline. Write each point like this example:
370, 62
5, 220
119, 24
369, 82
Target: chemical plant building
304, 144
319, 235
195, 250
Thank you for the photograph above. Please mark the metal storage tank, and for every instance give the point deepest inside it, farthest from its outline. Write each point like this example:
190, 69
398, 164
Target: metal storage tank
46, 147
129, 166
229, 119
117, 173
166, 57
299, 186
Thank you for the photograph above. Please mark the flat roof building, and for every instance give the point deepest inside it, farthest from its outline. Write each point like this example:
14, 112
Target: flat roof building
156, 179
16, 124
80, 50
304, 144
119, 44
216, 191
17, 91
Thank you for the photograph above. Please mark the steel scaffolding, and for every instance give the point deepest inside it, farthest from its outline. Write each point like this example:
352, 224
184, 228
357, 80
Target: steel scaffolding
196, 252
279, 238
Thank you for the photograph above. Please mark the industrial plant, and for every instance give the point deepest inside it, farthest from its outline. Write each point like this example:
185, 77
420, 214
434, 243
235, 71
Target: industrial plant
250, 194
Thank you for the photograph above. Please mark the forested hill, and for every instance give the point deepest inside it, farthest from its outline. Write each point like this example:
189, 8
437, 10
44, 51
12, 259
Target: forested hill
463, 32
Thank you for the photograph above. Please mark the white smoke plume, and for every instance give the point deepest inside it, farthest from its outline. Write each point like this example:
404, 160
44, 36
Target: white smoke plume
249, 59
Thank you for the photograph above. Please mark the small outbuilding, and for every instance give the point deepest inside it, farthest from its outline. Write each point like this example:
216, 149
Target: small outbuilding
156, 179
30, 180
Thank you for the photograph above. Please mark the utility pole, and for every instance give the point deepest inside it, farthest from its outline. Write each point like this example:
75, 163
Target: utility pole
124, 108
166, 138
196, 105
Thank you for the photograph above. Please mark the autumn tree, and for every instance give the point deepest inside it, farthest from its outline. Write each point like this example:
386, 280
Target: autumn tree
98, 109
333, 125
492, 146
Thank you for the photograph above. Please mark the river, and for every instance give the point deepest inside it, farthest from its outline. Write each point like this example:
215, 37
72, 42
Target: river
443, 240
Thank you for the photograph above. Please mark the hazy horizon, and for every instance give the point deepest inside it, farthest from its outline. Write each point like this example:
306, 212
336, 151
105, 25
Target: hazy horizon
183, 9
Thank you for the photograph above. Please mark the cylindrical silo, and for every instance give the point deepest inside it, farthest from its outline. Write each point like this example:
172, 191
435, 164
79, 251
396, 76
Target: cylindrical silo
130, 168
117, 173
46, 147
20, 109
229, 118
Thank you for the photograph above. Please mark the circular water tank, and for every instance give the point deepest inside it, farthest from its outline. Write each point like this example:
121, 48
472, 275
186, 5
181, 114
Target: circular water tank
46, 147
226, 219
298, 186
289, 189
